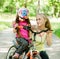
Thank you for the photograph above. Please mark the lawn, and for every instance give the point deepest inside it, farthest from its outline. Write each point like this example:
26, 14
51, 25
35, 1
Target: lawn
4, 25
56, 29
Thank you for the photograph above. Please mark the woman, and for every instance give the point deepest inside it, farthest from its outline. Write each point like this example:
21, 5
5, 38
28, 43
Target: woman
44, 37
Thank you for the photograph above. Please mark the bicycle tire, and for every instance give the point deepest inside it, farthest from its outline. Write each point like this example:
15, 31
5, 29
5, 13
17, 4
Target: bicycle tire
10, 52
36, 56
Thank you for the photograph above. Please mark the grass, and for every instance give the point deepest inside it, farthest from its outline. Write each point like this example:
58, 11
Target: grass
56, 29
4, 25
57, 32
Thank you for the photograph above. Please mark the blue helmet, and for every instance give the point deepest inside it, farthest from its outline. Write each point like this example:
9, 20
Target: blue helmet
23, 12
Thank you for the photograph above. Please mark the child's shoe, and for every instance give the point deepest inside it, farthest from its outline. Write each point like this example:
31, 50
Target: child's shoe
16, 56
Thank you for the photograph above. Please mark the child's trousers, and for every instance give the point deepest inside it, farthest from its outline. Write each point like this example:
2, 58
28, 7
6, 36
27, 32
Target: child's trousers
23, 45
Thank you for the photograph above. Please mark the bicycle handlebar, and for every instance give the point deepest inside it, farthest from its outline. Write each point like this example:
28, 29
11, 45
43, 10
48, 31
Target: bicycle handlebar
29, 28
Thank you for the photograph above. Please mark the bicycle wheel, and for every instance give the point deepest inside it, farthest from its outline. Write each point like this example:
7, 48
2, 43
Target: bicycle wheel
36, 57
11, 52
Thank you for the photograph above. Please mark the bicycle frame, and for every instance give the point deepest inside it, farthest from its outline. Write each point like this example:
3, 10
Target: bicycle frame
32, 52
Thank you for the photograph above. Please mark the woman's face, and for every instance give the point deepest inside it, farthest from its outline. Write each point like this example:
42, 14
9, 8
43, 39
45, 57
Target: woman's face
40, 20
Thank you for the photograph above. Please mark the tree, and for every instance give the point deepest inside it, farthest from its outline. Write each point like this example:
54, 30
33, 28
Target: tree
56, 5
1, 3
38, 7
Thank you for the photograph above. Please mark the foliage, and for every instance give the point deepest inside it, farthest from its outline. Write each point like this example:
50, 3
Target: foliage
46, 10
52, 8
1, 3
10, 7
55, 4
57, 32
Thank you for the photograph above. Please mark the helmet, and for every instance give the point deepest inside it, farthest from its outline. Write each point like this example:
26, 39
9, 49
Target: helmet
23, 13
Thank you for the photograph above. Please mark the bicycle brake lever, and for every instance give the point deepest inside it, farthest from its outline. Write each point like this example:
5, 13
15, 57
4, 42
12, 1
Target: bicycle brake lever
27, 27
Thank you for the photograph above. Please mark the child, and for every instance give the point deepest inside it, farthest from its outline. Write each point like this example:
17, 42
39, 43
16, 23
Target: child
43, 23
22, 35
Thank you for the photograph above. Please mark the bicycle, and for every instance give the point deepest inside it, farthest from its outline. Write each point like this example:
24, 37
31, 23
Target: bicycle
31, 54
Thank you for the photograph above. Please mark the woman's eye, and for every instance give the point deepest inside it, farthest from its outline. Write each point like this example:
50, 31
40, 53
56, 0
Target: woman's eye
38, 19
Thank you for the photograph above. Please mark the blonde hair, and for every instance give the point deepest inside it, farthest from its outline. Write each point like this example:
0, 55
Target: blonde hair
47, 23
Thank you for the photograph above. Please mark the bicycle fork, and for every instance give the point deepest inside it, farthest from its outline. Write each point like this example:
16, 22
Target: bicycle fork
31, 53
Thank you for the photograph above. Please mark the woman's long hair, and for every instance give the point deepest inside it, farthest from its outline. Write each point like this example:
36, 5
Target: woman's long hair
47, 23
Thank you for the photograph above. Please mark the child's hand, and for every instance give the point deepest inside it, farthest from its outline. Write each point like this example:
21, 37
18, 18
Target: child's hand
20, 26
16, 25
26, 27
30, 40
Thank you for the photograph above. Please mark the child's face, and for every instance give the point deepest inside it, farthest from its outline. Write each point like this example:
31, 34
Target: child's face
21, 19
40, 20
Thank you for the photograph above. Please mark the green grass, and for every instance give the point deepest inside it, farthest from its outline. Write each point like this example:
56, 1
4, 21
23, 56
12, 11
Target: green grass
57, 32
56, 29
4, 25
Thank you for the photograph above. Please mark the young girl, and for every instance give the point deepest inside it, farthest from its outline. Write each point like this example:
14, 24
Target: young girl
43, 24
22, 35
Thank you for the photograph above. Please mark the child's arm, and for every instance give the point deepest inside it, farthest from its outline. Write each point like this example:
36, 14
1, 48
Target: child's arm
30, 34
14, 24
49, 38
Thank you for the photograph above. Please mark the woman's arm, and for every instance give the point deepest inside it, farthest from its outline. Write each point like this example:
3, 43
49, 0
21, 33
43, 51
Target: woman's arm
49, 38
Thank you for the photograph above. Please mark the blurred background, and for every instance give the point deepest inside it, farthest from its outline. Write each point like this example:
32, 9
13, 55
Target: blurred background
8, 10
51, 8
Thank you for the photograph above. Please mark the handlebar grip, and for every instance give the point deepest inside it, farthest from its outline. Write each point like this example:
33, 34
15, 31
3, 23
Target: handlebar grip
27, 27
20, 26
